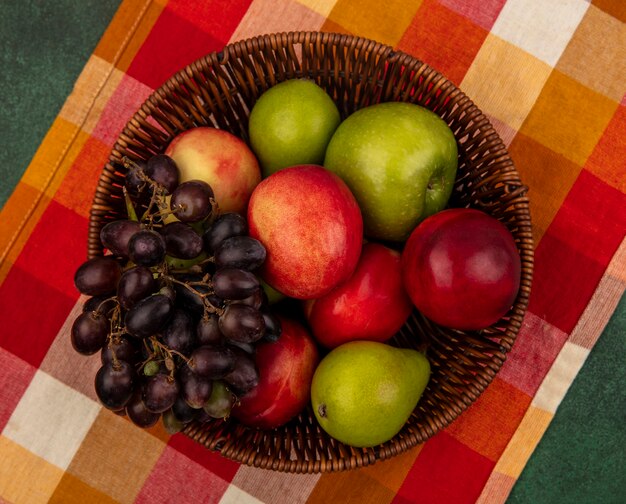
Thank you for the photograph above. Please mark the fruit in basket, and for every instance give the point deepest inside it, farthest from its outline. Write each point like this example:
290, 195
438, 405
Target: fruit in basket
291, 124
116, 234
98, 276
181, 241
285, 370
191, 201
399, 160
114, 384
225, 226
363, 392
371, 305
169, 328
461, 269
164, 171
220, 159
311, 227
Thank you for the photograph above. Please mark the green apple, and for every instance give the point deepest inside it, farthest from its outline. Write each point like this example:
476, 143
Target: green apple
363, 392
291, 124
399, 160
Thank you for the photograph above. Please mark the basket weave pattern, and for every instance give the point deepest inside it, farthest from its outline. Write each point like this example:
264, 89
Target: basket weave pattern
219, 90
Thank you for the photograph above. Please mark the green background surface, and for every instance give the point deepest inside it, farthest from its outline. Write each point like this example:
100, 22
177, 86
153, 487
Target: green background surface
44, 46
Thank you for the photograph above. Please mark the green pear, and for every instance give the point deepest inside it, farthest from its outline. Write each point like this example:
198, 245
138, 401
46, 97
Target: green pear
363, 392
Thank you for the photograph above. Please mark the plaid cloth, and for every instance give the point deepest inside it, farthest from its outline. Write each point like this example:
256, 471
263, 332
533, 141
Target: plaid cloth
551, 76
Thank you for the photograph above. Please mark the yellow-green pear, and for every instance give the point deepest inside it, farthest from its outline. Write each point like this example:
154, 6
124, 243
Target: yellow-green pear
363, 392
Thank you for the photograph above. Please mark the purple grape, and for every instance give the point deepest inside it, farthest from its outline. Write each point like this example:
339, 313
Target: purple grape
202, 416
148, 316
212, 362
229, 283
246, 347
114, 384
242, 323
138, 413
134, 182
116, 235
135, 284
242, 252
98, 276
195, 389
208, 330
245, 376
89, 333
188, 300
183, 412
191, 201
273, 329
146, 248
121, 347
255, 300
160, 392
181, 240
216, 301
225, 226
102, 304
179, 333
163, 170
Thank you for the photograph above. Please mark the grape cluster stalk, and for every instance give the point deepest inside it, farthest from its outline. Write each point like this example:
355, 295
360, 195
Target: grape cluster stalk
175, 305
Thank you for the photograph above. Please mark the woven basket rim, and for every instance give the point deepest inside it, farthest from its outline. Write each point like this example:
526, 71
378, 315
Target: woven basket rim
359, 457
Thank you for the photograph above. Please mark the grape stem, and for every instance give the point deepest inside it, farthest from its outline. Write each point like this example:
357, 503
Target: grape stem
167, 352
208, 306
97, 310
151, 356
157, 198
129, 164
114, 334
158, 192
116, 330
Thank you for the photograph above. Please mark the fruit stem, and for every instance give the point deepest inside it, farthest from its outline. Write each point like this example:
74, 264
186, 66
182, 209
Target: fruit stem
151, 356
168, 353
158, 192
208, 306
115, 327
97, 311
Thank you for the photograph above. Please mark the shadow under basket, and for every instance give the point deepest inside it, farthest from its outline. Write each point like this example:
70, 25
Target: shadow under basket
219, 90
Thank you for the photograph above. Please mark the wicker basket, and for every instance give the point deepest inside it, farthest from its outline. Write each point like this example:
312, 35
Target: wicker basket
219, 90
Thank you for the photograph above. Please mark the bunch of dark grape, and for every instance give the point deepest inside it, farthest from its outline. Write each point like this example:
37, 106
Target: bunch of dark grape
175, 306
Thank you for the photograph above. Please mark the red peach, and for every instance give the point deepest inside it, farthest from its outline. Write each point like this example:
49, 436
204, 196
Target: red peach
371, 305
311, 226
222, 160
286, 368
462, 269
